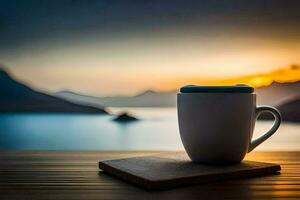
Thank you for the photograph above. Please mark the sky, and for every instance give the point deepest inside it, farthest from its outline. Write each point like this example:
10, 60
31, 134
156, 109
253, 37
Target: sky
124, 47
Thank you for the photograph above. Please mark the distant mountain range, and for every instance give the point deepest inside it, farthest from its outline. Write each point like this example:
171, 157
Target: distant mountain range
274, 94
17, 97
290, 110
148, 98
278, 93
284, 96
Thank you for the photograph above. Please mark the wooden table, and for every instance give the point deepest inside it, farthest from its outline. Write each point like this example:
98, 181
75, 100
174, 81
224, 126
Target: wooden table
75, 175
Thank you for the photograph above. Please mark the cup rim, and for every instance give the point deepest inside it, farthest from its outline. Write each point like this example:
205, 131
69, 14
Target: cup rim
217, 89
216, 93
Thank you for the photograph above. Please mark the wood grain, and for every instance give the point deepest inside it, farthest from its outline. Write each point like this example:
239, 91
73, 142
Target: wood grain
75, 175
156, 173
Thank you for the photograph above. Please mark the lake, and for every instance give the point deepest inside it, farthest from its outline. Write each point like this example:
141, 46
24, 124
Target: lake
158, 130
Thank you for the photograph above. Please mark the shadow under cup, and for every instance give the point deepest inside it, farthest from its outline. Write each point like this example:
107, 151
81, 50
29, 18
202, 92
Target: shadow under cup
216, 126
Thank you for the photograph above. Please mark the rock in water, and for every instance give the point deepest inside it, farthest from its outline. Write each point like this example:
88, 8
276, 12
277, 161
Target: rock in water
125, 117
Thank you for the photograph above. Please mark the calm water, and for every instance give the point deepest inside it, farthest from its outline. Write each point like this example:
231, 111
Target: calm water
158, 130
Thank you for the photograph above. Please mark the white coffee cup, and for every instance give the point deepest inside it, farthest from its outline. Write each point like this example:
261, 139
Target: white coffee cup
216, 123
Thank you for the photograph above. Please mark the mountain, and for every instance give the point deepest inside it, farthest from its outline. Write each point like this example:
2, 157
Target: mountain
17, 97
290, 110
284, 96
277, 93
148, 98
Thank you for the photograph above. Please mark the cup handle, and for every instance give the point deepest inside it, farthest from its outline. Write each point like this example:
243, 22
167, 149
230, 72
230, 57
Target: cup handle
259, 110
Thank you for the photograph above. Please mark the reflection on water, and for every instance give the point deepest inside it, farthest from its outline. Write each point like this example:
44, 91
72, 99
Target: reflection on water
158, 130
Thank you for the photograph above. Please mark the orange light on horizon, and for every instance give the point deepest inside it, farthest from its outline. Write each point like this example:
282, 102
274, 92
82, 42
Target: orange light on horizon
283, 75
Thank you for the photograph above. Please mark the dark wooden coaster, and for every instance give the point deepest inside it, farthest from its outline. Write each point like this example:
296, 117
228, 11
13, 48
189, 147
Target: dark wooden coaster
152, 172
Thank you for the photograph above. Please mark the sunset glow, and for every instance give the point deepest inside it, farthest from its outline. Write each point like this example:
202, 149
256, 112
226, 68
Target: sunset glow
283, 75
107, 52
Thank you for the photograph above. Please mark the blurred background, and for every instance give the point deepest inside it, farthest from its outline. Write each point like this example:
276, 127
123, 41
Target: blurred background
103, 75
